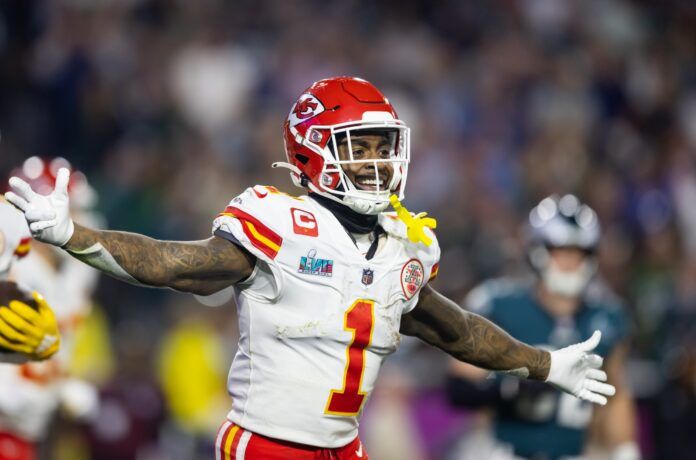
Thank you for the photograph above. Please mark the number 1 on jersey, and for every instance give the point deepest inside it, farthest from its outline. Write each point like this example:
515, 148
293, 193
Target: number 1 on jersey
359, 319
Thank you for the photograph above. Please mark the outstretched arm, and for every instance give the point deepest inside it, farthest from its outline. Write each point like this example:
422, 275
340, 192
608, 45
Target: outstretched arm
201, 267
473, 339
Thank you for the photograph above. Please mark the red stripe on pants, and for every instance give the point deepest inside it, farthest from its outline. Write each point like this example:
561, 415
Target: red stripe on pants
264, 448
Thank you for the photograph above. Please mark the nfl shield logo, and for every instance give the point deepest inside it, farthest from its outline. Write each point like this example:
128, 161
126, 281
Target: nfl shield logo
367, 276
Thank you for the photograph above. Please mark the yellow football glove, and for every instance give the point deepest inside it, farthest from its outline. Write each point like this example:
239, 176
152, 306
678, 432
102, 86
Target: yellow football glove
414, 224
28, 331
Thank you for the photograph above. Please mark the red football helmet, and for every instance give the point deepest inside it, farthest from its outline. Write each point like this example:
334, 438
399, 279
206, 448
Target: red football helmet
40, 174
341, 107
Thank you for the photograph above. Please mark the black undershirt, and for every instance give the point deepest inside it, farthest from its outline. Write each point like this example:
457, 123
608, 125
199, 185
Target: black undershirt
353, 222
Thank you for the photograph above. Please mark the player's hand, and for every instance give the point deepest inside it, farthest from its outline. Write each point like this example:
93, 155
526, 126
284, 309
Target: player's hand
576, 370
48, 216
28, 331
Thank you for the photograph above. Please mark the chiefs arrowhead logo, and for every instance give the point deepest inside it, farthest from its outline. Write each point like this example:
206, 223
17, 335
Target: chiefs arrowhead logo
306, 107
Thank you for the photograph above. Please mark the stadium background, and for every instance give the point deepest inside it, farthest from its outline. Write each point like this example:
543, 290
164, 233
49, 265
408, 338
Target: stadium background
172, 107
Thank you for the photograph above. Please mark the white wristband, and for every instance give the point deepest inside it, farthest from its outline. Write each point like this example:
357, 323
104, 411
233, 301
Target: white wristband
68, 233
98, 257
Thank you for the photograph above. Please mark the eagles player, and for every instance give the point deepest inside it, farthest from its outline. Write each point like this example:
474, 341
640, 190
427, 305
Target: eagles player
554, 310
325, 283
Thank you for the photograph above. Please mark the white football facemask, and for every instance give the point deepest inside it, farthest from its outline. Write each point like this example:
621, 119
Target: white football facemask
335, 183
349, 193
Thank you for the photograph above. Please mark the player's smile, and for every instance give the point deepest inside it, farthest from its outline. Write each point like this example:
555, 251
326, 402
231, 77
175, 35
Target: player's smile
367, 147
369, 182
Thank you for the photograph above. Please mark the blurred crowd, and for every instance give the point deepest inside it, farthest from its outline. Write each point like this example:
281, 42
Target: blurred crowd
172, 107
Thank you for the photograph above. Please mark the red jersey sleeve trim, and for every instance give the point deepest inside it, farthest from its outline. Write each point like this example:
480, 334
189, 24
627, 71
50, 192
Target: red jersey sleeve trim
261, 237
434, 271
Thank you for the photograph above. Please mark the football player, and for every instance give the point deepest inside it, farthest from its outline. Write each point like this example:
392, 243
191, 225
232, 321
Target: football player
31, 394
325, 283
552, 311
25, 334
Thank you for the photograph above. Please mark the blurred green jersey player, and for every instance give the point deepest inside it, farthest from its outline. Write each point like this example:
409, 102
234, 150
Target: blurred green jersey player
557, 307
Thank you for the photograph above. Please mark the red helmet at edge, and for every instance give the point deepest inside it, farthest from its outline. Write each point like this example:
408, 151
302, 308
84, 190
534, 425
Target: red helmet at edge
40, 173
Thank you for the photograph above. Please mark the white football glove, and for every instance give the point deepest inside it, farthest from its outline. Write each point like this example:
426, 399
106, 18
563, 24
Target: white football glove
577, 371
48, 216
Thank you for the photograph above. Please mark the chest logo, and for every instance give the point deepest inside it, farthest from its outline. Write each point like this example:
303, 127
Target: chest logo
368, 276
304, 222
312, 265
412, 275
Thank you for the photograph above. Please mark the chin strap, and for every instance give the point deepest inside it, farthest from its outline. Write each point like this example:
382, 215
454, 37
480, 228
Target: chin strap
292, 168
414, 224
309, 185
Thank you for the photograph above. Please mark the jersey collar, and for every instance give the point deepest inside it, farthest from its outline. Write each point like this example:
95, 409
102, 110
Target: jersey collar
352, 221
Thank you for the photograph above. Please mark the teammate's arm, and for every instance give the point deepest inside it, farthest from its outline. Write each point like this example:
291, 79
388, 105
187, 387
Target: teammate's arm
475, 340
202, 267
471, 338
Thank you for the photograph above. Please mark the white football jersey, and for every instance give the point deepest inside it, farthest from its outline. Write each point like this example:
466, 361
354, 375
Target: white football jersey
14, 243
24, 409
14, 237
316, 318
31, 393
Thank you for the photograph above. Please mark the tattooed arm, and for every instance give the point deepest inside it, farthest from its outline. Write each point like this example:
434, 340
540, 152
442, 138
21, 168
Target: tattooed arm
201, 267
471, 338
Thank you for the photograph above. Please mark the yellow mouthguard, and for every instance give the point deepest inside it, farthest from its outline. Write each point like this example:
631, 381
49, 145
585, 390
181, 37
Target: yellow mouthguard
414, 224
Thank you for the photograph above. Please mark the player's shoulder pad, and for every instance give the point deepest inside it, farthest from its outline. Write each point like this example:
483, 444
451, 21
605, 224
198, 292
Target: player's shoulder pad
483, 298
429, 255
259, 219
